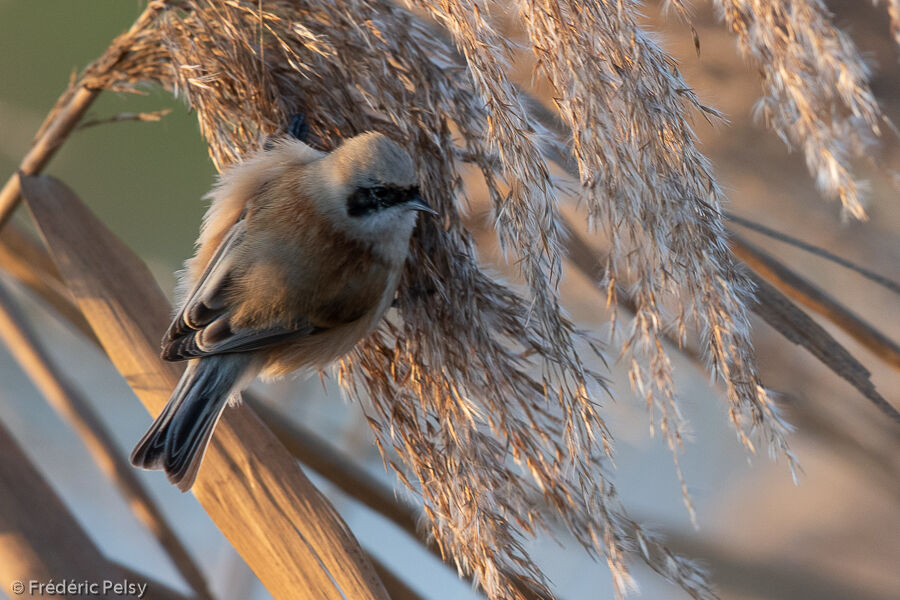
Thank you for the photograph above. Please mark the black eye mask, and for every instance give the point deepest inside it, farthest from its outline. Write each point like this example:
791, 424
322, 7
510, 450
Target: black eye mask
364, 201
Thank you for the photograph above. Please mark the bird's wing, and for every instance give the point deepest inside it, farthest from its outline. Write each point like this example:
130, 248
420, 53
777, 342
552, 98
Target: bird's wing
203, 326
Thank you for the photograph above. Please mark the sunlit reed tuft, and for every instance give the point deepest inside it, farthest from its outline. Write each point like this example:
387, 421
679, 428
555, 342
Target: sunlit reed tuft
481, 396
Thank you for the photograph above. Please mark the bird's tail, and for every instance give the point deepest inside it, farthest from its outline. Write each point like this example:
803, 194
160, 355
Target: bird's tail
177, 439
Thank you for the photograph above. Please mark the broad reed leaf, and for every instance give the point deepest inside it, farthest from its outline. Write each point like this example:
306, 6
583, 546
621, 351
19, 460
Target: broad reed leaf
790, 321
42, 541
249, 485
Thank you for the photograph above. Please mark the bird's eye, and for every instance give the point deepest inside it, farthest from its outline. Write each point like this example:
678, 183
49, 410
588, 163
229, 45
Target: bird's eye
378, 194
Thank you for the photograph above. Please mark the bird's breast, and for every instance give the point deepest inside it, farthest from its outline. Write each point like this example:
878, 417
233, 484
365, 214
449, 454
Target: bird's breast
313, 274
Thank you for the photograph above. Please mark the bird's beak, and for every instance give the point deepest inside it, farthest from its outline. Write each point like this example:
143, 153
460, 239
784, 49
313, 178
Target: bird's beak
416, 203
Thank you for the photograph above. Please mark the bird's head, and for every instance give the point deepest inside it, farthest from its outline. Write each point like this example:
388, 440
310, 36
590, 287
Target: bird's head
376, 194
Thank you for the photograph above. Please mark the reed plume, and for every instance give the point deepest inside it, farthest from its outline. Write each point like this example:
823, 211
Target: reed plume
816, 93
483, 393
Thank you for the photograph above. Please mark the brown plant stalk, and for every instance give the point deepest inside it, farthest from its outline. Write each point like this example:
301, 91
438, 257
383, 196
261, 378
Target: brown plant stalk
817, 300
42, 542
23, 344
482, 393
252, 489
304, 445
23, 258
69, 110
409, 86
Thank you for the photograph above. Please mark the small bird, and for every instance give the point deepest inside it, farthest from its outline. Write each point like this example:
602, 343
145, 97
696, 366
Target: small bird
299, 257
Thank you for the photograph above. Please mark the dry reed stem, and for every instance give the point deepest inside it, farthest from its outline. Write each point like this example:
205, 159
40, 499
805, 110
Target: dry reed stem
133, 575
42, 541
69, 110
396, 587
454, 417
24, 346
312, 451
881, 280
22, 257
250, 486
45, 146
448, 381
151, 117
305, 446
817, 300
328, 461
786, 318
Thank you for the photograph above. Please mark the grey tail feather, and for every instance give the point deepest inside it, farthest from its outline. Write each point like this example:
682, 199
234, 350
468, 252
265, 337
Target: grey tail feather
177, 439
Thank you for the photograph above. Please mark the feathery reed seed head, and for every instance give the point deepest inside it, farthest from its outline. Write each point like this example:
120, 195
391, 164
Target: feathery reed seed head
479, 390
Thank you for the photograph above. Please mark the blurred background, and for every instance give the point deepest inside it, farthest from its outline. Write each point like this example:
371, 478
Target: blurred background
835, 536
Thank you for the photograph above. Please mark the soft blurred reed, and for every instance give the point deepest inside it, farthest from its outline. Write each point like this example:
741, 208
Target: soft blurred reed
483, 392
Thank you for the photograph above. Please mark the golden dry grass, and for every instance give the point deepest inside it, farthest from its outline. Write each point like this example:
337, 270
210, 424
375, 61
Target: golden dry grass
449, 384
